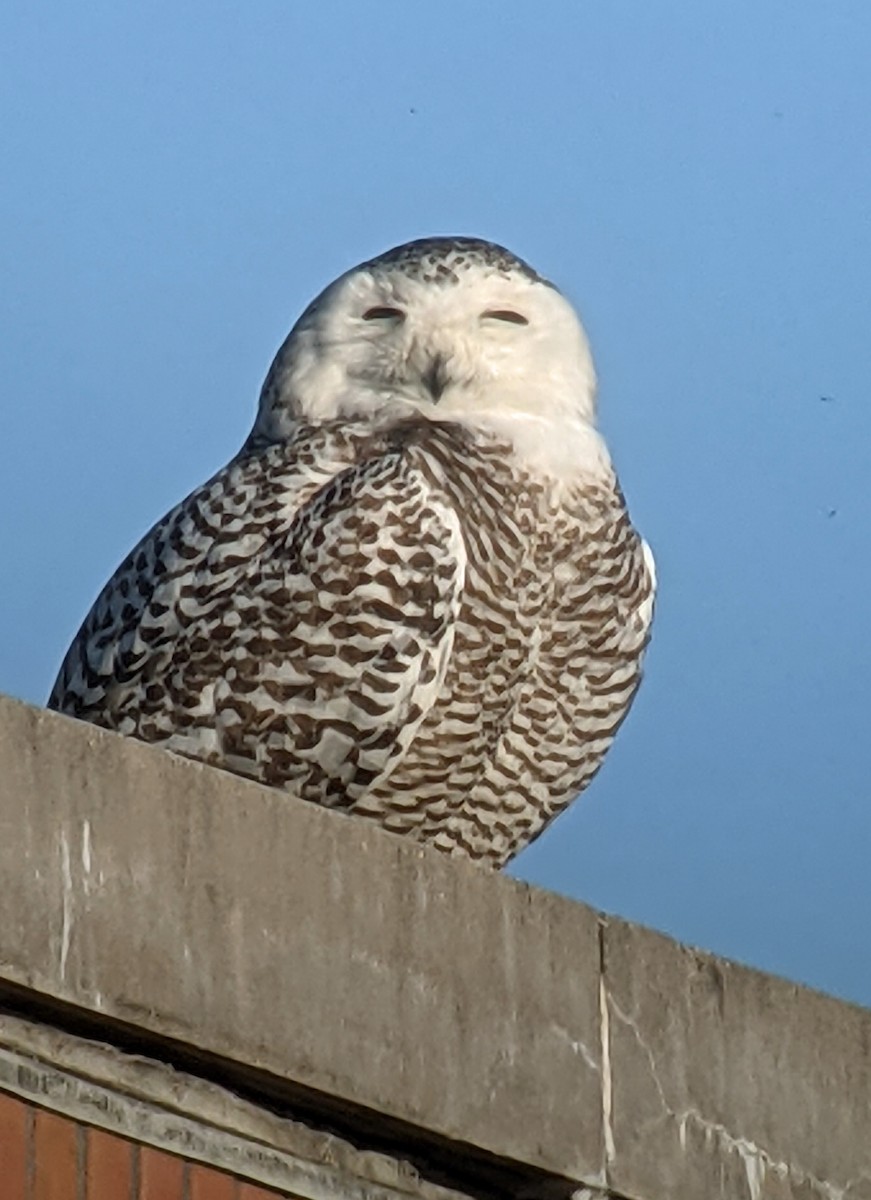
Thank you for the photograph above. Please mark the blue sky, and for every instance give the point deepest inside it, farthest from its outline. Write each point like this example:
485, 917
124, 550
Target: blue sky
179, 181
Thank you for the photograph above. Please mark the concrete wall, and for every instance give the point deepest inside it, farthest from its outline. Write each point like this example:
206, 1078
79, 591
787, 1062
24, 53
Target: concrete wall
500, 1039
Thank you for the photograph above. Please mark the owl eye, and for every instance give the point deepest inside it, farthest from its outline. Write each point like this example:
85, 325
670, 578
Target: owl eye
381, 313
504, 314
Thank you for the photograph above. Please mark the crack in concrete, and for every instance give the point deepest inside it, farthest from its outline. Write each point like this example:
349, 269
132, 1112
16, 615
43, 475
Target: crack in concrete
607, 1079
578, 1046
66, 911
630, 1022
757, 1162
86, 854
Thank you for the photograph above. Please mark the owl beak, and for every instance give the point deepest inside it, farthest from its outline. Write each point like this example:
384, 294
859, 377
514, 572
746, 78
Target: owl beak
436, 377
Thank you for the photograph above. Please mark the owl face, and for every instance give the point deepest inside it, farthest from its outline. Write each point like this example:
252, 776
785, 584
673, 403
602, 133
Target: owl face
446, 327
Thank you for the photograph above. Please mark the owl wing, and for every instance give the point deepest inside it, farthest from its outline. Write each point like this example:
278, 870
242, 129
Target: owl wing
291, 620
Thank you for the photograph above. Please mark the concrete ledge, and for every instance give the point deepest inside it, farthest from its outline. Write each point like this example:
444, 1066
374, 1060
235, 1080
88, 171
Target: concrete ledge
407, 996
149, 1103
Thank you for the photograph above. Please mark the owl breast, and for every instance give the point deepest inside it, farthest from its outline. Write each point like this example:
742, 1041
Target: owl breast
546, 659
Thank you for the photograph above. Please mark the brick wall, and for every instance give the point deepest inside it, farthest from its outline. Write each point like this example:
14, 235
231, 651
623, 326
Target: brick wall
45, 1156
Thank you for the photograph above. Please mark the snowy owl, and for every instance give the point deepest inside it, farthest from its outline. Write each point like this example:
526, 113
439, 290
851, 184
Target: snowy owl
415, 594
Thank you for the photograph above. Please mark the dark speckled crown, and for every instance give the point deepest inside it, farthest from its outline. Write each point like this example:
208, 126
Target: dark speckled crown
445, 259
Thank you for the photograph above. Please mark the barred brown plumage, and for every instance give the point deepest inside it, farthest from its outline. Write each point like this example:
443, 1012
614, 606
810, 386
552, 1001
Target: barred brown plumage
421, 605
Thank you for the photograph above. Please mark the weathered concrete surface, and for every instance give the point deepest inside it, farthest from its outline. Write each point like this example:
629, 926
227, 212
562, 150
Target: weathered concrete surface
322, 952
730, 1082
300, 943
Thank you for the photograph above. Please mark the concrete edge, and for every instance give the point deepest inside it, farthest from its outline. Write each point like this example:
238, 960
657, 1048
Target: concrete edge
146, 1101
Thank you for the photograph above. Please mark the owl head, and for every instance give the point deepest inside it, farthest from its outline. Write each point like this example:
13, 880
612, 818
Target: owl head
452, 328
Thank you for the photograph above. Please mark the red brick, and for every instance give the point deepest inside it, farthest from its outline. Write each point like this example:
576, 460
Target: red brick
109, 1167
161, 1176
208, 1184
250, 1191
14, 1117
55, 1151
